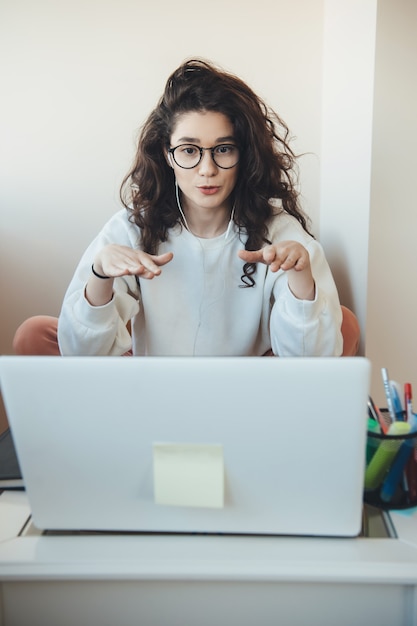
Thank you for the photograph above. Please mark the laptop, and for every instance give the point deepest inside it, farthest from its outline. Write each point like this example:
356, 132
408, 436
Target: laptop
228, 445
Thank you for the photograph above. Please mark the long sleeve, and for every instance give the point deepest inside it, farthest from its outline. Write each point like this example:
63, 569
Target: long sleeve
303, 327
87, 330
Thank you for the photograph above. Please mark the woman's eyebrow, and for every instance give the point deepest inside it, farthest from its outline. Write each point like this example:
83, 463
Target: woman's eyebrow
225, 139
195, 140
188, 139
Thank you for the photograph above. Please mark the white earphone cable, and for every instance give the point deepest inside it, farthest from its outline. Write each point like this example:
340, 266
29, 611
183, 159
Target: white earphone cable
177, 196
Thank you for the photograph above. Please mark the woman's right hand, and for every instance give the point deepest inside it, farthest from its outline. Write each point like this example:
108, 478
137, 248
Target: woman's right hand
113, 261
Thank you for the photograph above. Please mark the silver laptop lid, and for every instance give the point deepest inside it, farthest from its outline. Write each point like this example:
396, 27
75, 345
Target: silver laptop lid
185, 444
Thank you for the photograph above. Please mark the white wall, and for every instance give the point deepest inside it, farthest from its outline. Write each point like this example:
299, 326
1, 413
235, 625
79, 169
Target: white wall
391, 337
348, 81
80, 76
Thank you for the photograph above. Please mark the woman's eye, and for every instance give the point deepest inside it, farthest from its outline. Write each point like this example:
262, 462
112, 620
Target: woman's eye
225, 149
189, 150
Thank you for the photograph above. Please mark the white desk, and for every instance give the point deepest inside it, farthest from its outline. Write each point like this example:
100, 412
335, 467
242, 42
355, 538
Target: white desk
118, 580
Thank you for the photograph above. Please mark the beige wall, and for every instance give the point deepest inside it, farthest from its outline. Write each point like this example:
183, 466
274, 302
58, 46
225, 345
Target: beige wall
79, 77
391, 333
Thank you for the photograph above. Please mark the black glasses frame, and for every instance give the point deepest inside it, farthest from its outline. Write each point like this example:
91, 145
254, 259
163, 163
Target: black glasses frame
232, 145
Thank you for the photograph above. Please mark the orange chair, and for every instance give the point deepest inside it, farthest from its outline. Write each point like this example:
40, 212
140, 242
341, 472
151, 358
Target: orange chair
351, 332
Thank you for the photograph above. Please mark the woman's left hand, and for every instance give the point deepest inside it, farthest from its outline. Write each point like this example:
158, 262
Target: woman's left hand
291, 257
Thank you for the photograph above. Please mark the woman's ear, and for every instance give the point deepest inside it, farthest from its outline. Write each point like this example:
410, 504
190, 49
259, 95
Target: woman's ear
169, 159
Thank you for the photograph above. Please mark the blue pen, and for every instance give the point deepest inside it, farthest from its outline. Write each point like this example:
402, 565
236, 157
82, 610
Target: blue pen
396, 471
387, 389
396, 401
395, 474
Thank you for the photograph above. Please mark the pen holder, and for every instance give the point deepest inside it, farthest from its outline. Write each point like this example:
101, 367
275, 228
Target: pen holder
391, 467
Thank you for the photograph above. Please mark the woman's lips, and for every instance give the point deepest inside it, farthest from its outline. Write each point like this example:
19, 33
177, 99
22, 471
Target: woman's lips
208, 191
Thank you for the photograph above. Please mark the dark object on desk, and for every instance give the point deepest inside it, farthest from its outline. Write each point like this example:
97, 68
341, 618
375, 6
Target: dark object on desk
391, 472
10, 474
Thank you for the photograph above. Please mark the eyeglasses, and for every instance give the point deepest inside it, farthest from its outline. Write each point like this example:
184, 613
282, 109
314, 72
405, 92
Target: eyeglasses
187, 155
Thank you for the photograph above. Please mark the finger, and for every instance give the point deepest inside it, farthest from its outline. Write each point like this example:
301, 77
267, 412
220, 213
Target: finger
288, 263
284, 261
149, 266
146, 263
275, 266
145, 273
163, 259
297, 263
302, 263
270, 255
251, 256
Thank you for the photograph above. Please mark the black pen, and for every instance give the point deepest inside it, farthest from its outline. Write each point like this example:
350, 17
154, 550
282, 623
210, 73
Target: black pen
376, 414
371, 410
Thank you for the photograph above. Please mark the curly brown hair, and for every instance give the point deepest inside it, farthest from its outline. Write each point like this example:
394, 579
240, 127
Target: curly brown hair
267, 165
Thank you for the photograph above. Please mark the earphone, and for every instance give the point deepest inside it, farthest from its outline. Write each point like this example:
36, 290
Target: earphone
229, 226
177, 196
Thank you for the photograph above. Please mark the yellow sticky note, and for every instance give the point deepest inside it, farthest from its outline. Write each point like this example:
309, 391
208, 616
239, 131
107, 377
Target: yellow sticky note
188, 474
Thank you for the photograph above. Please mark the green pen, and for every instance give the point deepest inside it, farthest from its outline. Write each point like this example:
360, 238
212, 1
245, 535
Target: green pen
372, 442
384, 456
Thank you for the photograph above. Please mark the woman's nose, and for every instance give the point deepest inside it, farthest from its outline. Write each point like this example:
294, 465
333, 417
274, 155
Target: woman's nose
207, 165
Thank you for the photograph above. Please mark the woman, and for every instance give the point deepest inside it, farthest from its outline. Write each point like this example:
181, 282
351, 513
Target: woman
211, 254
